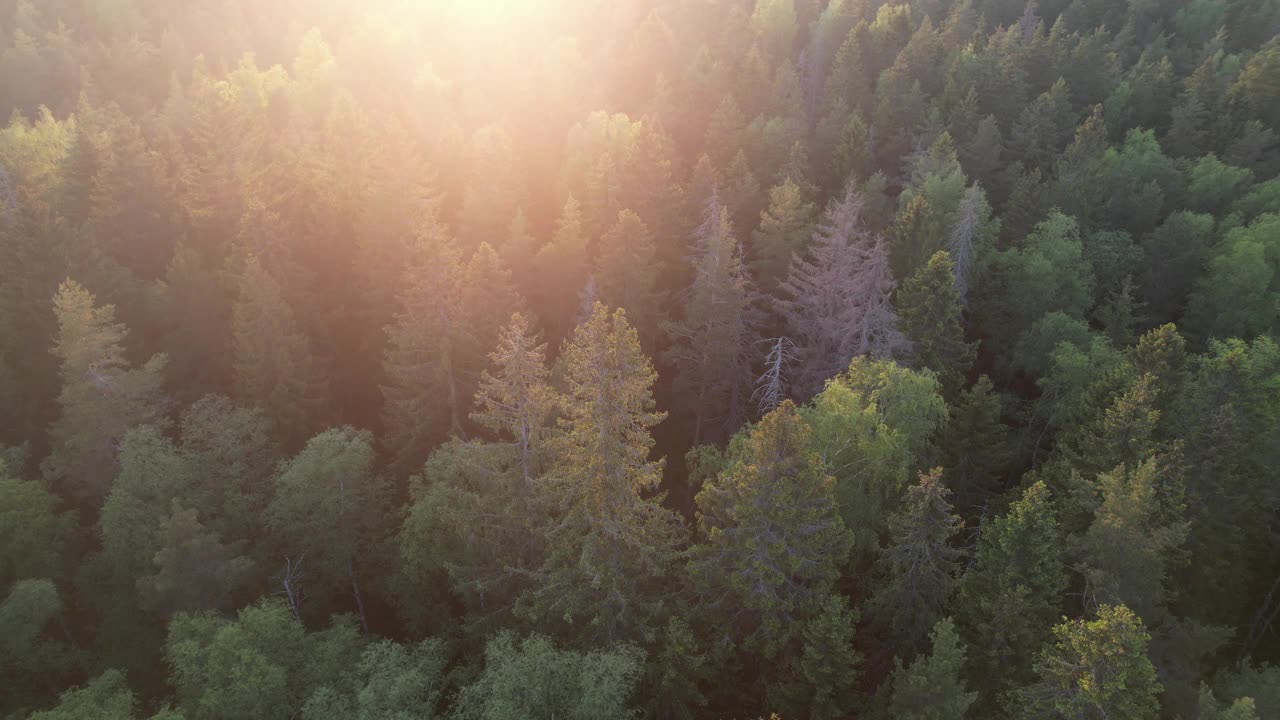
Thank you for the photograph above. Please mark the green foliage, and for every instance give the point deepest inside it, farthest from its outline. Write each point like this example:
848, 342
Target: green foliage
1136, 535
609, 548
273, 362
262, 664
106, 697
101, 397
531, 678
390, 682
774, 541
33, 534
931, 319
871, 426
1237, 297
1093, 668
932, 688
1048, 272
784, 230
919, 566
328, 512
1011, 595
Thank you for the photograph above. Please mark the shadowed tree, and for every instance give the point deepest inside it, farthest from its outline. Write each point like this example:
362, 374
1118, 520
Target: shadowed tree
710, 344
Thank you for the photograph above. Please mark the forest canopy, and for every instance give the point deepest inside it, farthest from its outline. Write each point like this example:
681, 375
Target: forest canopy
669, 359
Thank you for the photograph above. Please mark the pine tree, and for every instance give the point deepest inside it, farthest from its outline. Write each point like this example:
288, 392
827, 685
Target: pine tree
517, 401
562, 272
932, 687
837, 299
821, 681
710, 343
1093, 669
274, 367
774, 542
425, 396
609, 548
1010, 597
930, 312
784, 227
919, 566
1136, 536
976, 449
101, 398
626, 273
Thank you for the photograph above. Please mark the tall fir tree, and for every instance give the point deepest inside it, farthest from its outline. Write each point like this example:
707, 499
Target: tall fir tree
710, 344
930, 312
919, 566
610, 544
101, 397
785, 226
1011, 595
273, 361
774, 541
626, 274
933, 687
562, 273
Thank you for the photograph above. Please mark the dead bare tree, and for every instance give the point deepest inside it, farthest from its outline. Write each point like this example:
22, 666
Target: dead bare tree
771, 386
290, 581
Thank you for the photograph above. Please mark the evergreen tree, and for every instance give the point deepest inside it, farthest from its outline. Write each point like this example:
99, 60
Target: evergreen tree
273, 363
975, 447
1136, 535
929, 307
1010, 597
932, 688
784, 227
609, 548
1093, 668
919, 566
101, 398
626, 273
774, 541
710, 343
517, 402
562, 273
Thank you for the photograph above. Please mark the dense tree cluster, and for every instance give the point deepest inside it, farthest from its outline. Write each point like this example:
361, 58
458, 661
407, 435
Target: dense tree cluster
905, 359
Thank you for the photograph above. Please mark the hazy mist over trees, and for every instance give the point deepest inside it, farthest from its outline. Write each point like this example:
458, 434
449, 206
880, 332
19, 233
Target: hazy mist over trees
669, 359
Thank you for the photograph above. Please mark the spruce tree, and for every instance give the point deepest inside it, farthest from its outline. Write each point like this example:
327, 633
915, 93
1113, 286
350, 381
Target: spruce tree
932, 687
785, 226
930, 312
626, 273
610, 544
710, 343
919, 567
562, 273
101, 397
774, 541
273, 363
1011, 595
